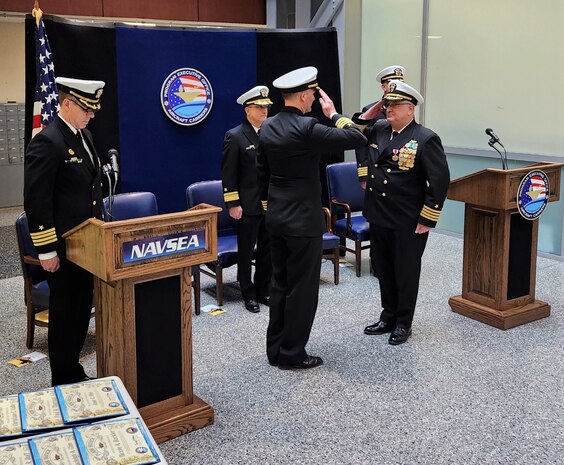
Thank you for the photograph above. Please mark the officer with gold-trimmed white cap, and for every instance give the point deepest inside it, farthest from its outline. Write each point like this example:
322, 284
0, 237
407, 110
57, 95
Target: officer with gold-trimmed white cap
62, 188
291, 145
86, 93
407, 183
375, 112
242, 198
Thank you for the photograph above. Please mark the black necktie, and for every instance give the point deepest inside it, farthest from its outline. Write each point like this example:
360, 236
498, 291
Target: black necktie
394, 134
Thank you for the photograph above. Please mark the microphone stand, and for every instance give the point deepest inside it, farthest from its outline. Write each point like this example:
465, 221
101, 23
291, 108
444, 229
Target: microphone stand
107, 169
503, 155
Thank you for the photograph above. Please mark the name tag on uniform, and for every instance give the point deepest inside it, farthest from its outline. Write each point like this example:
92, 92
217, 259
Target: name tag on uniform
250, 147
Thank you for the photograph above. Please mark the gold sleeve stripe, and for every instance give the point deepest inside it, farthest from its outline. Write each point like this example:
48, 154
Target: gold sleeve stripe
231, 196
363, 171
42, 234
343, 121
430, 214
264, 204
44, 237
47, 240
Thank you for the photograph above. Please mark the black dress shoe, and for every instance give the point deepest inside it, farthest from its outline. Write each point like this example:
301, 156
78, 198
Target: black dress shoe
379, 328
273, 363
399, 336
264, 300
252, 305
309, 362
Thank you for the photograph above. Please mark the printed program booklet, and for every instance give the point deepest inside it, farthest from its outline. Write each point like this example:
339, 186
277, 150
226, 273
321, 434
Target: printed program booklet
82, 402
56, 449
40, 410
16, 454
10, 421
119, 441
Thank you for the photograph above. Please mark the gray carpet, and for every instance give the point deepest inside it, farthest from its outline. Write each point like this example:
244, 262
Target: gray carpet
459, 392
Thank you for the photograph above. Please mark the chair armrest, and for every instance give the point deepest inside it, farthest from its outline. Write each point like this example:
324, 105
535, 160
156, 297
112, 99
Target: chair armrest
328, 220
348, 210
31, 260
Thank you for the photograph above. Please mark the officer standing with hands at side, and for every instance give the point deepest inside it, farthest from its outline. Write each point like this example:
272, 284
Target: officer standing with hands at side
62, 188
290, 150
407, 183
242, 198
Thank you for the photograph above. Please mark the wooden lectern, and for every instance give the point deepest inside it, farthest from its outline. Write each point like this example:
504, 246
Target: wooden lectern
142, 294
500, 247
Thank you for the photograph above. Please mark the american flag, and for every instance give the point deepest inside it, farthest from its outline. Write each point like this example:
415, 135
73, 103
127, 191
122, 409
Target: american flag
46, 103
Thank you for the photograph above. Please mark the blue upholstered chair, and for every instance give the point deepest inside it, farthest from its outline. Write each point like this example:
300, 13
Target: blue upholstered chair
131, 205
211, 192
346, 197
331, 244
36, 289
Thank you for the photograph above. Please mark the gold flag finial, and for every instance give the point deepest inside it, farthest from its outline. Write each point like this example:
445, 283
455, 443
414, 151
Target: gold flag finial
36, 12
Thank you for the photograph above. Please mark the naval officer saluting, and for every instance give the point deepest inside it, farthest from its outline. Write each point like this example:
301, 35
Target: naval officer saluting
289, 154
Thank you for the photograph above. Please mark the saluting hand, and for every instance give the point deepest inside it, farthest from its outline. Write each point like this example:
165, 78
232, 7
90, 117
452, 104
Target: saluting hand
373, 111
326, 104
51, 265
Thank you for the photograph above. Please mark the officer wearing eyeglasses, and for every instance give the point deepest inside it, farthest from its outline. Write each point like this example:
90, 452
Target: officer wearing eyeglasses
61, 190
407, 180
376, 112
242, 198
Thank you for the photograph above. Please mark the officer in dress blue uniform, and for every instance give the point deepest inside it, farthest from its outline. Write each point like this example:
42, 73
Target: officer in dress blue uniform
242, 198
62, 188
375, 112
406, 186
290, 150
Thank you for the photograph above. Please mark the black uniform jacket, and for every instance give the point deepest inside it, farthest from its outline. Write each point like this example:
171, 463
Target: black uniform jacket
361, 153
289, 155
238, 169
61, 186
408, 177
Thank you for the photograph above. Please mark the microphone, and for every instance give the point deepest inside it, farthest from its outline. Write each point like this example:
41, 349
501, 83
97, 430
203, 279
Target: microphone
113, 154
490, 133
493, 140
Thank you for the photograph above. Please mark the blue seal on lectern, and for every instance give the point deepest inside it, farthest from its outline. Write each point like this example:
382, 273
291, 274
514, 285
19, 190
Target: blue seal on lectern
532, 194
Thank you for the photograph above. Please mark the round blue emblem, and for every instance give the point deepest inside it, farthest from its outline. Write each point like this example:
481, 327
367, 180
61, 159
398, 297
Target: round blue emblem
186, 96
532, 195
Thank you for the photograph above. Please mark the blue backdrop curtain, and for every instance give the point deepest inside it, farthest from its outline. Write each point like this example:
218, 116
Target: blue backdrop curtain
157, 154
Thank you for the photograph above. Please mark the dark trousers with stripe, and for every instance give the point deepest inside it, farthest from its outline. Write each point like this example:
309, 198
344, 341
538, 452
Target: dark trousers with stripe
296, 264
396, 261
251, 230
70, 305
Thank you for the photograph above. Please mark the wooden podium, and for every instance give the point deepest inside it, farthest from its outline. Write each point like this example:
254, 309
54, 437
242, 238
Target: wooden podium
142, 294
500, 247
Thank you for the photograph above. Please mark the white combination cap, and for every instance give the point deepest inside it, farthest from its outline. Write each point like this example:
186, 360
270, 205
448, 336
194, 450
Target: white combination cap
87, 93
399, 90
297, 80
257, 96
394, 72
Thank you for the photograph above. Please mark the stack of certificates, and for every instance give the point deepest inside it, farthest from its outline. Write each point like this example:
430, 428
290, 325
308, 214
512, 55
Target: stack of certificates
93, 439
